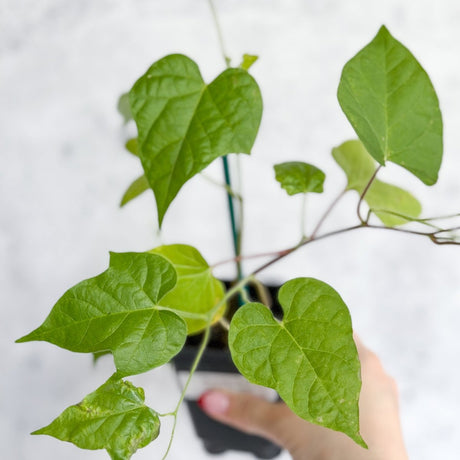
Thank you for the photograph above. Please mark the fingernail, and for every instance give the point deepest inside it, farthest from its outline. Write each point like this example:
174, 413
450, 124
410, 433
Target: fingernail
214, 402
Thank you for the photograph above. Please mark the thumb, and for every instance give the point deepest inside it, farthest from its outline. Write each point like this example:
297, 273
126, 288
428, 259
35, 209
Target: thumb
248, 413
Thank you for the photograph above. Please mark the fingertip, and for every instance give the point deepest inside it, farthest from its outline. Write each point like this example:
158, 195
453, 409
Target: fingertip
214, 402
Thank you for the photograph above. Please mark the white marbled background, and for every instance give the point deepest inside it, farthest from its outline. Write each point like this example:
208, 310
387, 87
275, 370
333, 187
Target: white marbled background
63, 170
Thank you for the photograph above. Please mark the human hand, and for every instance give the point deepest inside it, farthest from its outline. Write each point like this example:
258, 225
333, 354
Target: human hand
379, 419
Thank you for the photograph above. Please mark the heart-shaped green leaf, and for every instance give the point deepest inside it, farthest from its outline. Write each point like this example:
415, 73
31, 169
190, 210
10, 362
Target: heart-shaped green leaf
196, 290
120, 310
299, 177
184, 124
139, 186
390, 101
114, 417
385, 200
309, 357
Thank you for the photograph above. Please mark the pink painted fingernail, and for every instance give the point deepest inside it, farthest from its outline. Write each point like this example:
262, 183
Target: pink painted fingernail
214, 402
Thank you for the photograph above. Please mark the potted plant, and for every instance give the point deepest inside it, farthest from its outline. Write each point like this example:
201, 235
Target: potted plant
145, 305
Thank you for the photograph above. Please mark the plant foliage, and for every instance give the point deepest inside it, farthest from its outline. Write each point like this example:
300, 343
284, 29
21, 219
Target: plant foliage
143, 306
114, 417
299, 177
119, 310
184, 124
309, 357
390, 101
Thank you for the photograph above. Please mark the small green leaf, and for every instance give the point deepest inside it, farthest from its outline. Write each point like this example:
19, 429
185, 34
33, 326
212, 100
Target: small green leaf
184, 124
390, 101
114, 417
309, 357
124, 108
298, 177
196, 290
139, 186
385, 200
120, 310
132, 146
248, 61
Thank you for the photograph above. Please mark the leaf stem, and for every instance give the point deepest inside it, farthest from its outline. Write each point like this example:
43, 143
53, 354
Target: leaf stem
262, 293
408, 218
228, 189
447, 216
224, 323
303, 211
363, 194
231, 292
196, 361
328, 211
166, 414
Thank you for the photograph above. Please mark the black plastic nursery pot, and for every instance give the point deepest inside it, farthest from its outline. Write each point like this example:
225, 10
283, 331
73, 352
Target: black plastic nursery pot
216, 370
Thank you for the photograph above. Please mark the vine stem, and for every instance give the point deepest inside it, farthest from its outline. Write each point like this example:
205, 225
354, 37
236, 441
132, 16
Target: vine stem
196, 361
363, 194
219, 33
231, 292
281, 254
237, 226
304, 242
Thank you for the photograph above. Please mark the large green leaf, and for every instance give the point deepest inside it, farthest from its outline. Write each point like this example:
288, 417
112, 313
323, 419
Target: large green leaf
139, 186
309, 357
184, 124
390, 101
114, 417
196, 290
299, 177
120, 310
385, 200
